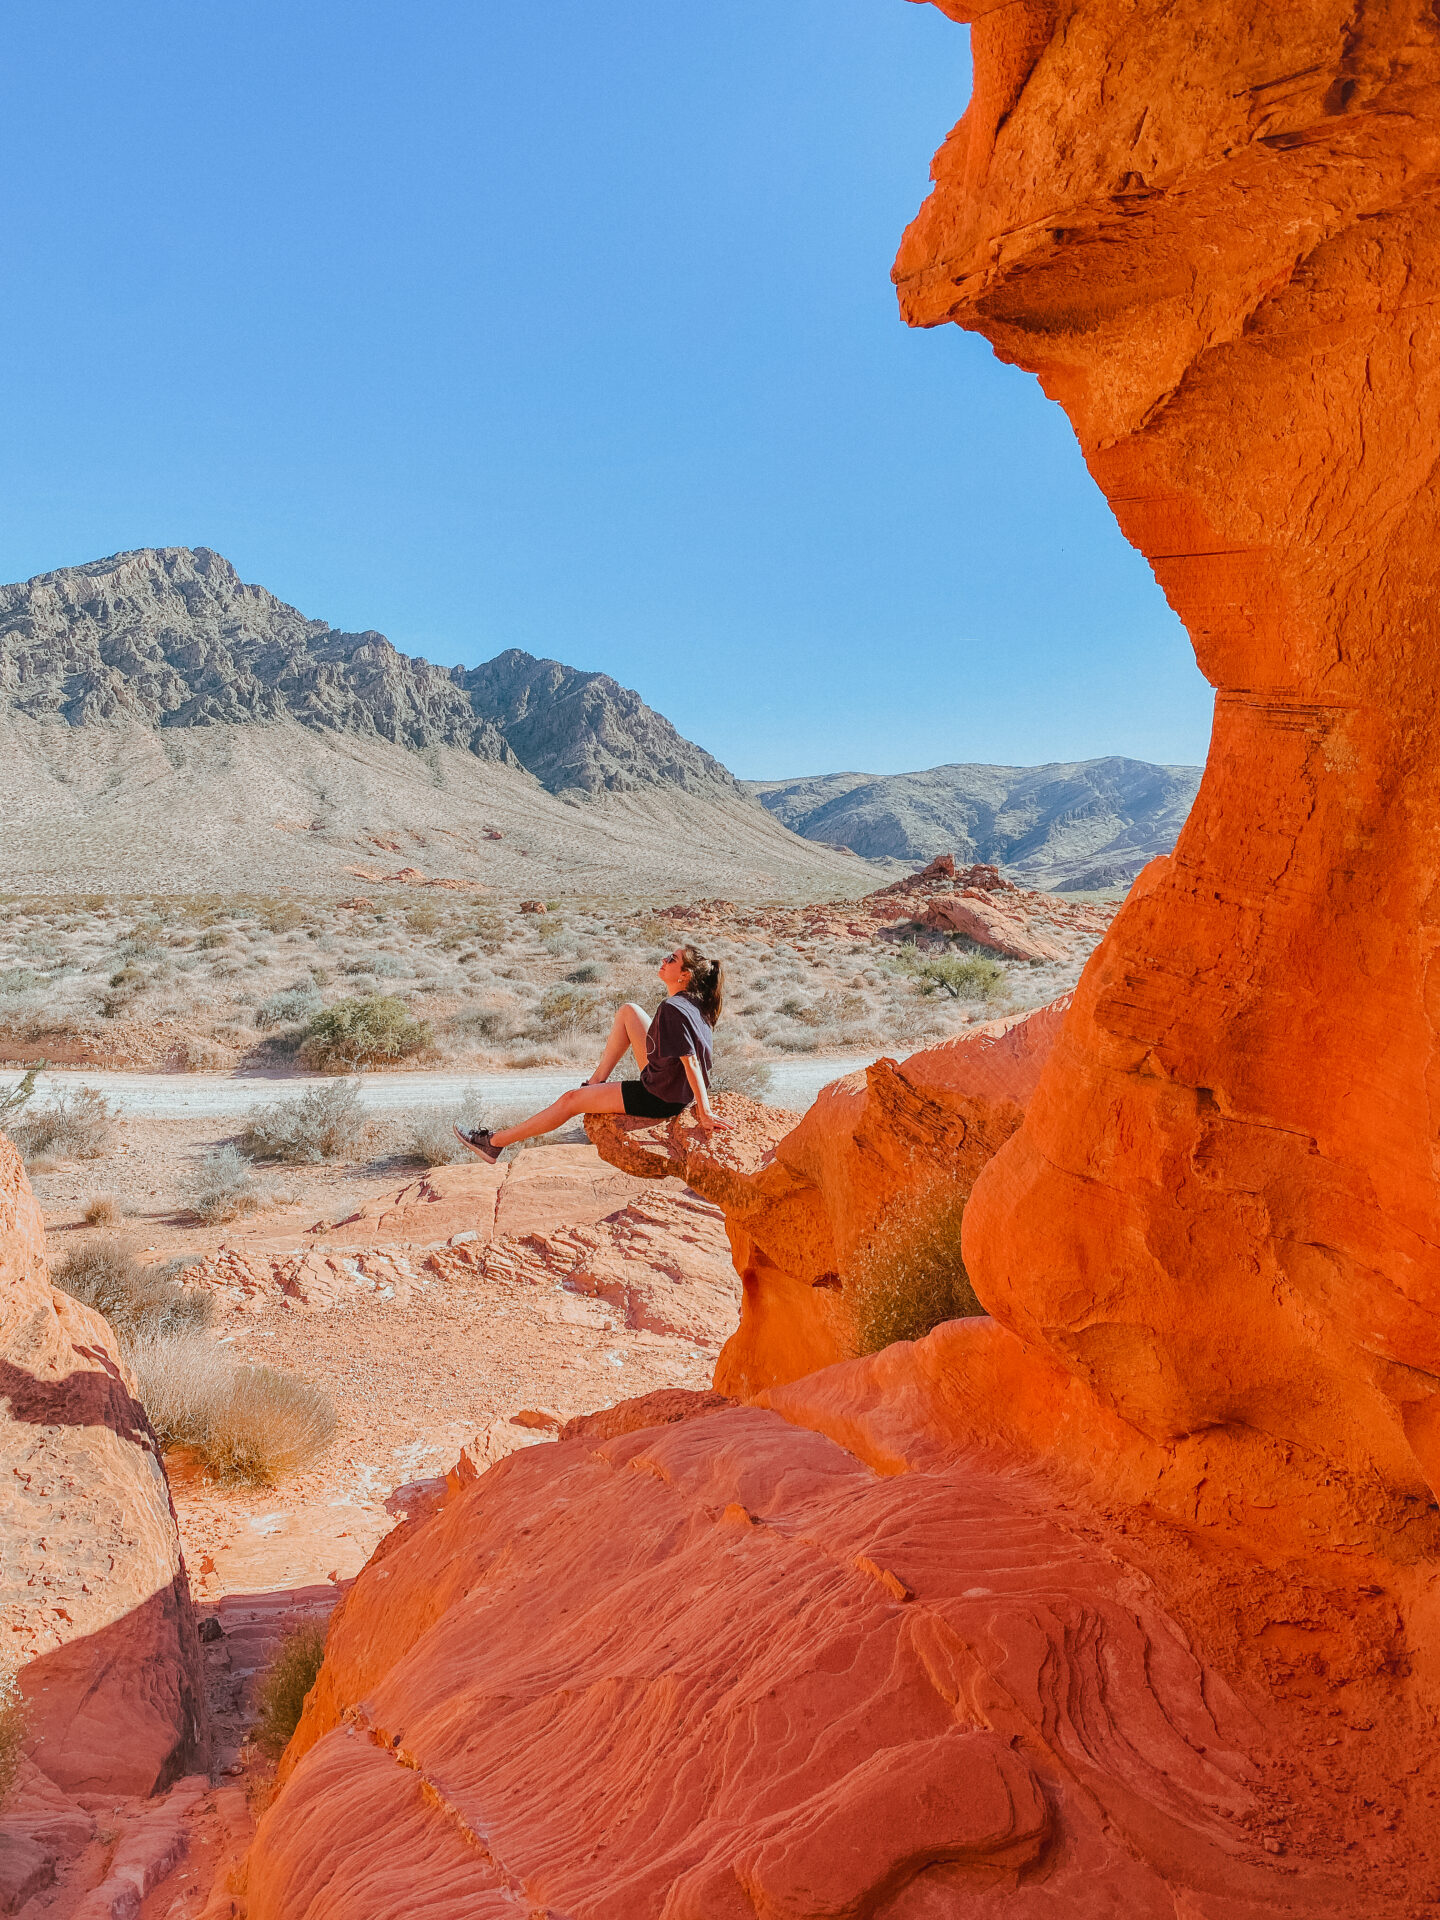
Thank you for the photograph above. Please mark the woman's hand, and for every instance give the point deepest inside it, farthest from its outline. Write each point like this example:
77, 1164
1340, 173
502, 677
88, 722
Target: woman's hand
708, 1122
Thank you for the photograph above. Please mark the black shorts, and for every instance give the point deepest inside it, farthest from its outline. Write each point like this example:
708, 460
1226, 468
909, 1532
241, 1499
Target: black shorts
641, 1104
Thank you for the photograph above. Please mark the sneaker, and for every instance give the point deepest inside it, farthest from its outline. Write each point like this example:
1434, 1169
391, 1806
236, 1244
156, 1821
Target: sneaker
479, 1143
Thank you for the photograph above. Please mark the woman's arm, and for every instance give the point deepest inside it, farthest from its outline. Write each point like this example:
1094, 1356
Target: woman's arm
703, 1115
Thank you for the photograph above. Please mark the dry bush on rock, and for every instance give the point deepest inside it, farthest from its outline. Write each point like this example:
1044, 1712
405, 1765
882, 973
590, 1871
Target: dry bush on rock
12, 1731
223, 1187
246, 1423
138, 1301
363, 1032
909, 1276
327, 1123
75, 1124
280, 1697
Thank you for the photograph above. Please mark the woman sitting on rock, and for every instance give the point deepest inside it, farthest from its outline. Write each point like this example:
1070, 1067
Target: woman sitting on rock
672, 1052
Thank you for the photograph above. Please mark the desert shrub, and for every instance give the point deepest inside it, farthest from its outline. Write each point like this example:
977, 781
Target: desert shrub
289, 1007
20, 980
569, 1010
422, 919
477, 1023
431, 1136
909, 1276
214, 937
280, 1696
327, 1123
796, 1009
12, 1730
222, 1187
194, 1055
363, 1032
102, 1210
382, 966
284, 918
245, 1423
138, 1301
586, 973
732, 1073
77, 1123
964, 976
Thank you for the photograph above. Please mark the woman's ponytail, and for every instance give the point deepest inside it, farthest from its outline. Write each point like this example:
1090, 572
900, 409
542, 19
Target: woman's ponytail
706, 985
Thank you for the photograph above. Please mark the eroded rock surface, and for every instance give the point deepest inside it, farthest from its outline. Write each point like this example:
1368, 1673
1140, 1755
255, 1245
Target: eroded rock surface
92, 1588
721, 1668
799, 1196
1212, 233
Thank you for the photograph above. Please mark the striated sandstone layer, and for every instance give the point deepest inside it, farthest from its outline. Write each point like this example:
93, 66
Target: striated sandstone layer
92, 1588
720, 1669
798, 1198
1214, 234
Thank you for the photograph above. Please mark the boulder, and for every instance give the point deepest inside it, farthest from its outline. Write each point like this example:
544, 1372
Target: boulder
92, 1586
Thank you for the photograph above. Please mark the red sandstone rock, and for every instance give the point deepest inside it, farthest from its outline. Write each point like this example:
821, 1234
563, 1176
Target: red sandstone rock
798, 1198
93, 1593
1210, 233
973, 913
721, 1668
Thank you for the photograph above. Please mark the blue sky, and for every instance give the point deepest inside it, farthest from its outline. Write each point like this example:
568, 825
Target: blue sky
567, 328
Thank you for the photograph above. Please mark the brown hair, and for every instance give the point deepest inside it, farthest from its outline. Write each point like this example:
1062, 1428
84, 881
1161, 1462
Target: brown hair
706, 985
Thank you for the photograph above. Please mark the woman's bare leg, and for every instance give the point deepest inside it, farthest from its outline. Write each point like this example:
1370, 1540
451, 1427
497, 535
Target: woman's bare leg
578, 1100
630, 1028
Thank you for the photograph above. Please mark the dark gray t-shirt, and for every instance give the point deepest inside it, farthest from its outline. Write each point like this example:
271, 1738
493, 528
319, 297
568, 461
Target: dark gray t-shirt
678, 1028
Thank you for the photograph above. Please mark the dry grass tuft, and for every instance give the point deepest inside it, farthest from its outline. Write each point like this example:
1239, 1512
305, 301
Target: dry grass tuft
12, 1731
102, 1210
280, 1696
223, 1187
246, 1423
909, 1276
138, 1301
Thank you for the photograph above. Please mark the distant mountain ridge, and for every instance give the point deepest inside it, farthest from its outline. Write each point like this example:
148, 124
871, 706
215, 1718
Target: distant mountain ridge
172, 637
1083, 824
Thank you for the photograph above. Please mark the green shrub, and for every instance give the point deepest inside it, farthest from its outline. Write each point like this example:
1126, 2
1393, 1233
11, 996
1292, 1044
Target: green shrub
909, 1276
223, 1187
246, 1423
964, 976
363, 1032
327, 1123
17, 1095
139, 1302
280, 1697
12, 1731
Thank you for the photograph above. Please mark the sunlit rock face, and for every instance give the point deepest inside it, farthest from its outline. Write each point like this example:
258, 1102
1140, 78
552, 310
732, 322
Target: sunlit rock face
1211, 230
93, 1593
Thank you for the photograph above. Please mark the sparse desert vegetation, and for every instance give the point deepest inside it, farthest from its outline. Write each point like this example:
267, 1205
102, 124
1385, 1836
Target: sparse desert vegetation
909, 1276
280, 1697
140, 1302
210, 983
244, 1423
12, 1730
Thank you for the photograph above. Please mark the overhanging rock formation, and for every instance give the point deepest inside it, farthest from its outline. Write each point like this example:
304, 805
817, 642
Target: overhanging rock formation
1211, 230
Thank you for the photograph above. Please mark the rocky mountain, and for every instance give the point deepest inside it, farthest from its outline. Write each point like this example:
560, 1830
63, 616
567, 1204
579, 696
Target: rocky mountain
170, 637
1073, 824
